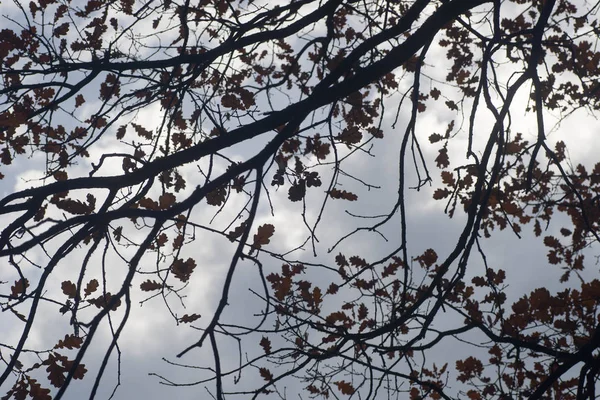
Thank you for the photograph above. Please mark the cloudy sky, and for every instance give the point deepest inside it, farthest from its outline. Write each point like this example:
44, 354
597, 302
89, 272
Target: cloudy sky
152, 335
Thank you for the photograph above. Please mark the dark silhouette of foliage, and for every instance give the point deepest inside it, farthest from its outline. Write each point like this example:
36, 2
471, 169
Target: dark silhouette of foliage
148, 116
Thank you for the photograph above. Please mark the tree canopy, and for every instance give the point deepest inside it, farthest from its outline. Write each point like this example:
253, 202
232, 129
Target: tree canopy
144, 142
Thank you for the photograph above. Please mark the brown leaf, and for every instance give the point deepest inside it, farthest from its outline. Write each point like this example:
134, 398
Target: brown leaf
468, 368
447, 178
390, 270
60, 176
237, 232
217, 196
166, 200
363, 311
36, 391
74, 207
266, 374
537, 228
263, 236
316, 147
39, 215
121, 132
551, 241
313, 389
118, 233
428, 258
111, 87
127, 6
358, 262
91, 287
442, 160
149, 204
55, 371
104, 301
281, 285
350, 135
332, 289
565, 232
312, 179
342, 194
183, 269
70, 342
180, 221
61, 30
340, 260
186, 319
317, 297
5, 156
178, 242
415, 394
80, 371
65, 307
345, 387
376, 132
19, 288
141, 131
69, 289
452, 105
229, 100
149, 285
297, 191
265, 343
161, 240
336, 316
440, 194
79, 100
180, 182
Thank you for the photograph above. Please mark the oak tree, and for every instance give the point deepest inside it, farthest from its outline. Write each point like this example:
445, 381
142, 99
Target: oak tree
134, 134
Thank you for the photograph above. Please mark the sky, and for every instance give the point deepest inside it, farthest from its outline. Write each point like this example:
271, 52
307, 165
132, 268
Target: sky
152, 335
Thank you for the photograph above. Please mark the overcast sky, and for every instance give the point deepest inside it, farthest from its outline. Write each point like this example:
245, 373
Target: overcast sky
152, 333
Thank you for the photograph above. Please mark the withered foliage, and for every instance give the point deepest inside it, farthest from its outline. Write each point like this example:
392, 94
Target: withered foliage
142, 118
